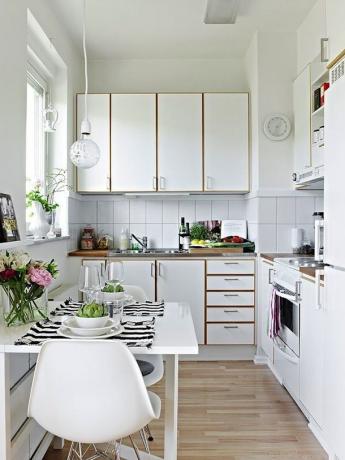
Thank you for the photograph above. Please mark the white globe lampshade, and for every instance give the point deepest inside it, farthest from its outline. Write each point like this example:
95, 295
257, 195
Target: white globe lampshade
84, 153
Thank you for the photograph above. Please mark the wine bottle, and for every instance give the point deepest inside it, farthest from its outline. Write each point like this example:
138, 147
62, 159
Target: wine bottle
181, 233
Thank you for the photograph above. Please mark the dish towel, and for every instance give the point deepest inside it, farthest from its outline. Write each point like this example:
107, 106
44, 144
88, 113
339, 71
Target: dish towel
147, 308
137, 333
274, 317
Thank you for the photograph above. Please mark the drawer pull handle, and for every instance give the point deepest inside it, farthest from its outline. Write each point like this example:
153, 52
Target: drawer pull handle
231, 295
231, 279
230, 327
230, 311
230, 263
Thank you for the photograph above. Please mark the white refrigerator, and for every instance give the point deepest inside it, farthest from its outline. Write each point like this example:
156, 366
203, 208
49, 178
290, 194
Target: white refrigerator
334, 257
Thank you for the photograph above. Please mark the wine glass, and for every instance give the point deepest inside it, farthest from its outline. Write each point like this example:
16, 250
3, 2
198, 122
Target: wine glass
90, 281
114, 273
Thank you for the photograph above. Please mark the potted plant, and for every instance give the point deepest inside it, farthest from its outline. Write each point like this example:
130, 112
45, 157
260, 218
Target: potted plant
44, 205
24, 283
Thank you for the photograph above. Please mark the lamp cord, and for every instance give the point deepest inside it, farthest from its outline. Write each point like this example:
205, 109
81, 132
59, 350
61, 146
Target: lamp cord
85, 58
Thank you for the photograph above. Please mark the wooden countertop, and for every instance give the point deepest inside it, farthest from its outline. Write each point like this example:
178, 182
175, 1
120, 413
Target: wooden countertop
102, 253
273, 255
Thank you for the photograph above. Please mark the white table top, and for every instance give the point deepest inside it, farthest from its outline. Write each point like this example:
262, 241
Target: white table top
175, 334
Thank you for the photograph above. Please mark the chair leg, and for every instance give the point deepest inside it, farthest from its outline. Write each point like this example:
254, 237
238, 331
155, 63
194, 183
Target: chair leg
144, 440
136, 450
149, 434
76, 452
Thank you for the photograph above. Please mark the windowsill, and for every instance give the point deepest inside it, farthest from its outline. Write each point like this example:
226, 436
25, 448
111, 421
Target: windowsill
31, 241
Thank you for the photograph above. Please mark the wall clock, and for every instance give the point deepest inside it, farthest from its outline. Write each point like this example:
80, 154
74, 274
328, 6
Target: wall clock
277, 127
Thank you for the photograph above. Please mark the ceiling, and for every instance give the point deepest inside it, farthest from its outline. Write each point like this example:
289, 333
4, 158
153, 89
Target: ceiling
172, 29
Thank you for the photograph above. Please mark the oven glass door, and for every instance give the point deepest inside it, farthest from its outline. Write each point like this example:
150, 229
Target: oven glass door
289, 319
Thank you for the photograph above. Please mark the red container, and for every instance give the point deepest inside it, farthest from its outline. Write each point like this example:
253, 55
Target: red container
324, 88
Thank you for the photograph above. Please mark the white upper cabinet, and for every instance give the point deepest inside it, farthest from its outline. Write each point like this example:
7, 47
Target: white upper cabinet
133, 142
226, 142
335, 26
179, 142
97, 178
302, 115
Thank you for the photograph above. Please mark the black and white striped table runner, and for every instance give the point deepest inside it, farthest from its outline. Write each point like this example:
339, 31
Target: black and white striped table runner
146, 308
137, 333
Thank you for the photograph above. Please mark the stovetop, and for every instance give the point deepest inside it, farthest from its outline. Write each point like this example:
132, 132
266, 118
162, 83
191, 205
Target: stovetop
299, 262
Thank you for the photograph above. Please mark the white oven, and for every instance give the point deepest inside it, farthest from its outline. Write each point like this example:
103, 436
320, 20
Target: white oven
287, 283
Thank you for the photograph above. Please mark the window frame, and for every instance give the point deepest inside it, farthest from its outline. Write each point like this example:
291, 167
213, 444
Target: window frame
40, 84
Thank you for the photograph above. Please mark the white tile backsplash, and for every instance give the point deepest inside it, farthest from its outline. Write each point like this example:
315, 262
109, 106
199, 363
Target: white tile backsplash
203, 210
121, 212
305, 207
137, 211
154, 211
187, 210
270, 219
170, 235
154, 234
105, 212
88, 211
170, 211
286, 210
220, 210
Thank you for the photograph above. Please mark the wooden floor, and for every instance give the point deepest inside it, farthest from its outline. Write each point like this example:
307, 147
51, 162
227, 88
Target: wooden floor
233, 411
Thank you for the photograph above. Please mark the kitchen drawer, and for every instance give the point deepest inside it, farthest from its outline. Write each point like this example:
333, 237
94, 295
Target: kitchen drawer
232, 283
245, 299
230, 314
230, 266
230, 334
19, 400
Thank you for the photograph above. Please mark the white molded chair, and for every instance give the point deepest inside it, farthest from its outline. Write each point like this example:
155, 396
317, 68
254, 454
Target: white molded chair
90, 391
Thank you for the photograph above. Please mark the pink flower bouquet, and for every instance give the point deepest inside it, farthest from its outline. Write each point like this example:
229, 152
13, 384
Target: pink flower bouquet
24, 281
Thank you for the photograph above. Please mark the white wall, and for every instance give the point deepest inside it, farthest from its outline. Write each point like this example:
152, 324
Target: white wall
270, 69
167, 75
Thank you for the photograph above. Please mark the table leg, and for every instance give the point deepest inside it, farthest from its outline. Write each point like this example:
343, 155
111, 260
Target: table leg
5, 421
171, 405
58, 443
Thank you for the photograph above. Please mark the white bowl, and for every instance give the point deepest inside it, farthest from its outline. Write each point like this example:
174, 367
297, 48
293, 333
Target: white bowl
90, 323
71, 324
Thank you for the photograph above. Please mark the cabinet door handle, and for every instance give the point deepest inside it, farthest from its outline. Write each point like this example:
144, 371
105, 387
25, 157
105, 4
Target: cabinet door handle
230, 327
230, 295
324, 49
154, 183
231, 279
153, 274
270, 271
230, 263
159, 269
230, 311
162, 182
208, 182
318, 274
109, 183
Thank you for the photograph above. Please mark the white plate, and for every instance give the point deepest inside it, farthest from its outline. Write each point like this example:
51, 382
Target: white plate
65, 332
72, 325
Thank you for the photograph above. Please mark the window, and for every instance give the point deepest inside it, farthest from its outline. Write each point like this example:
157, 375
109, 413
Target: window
35, 135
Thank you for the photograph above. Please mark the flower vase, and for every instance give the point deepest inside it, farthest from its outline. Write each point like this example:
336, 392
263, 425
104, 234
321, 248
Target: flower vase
19, 308
38, 225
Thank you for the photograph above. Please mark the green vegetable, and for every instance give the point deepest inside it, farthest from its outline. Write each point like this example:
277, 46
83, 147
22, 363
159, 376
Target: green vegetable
199, 232
109, 287
92, 310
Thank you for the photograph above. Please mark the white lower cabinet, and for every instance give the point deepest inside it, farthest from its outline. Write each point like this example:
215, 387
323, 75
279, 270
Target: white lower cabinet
264, 300
141, 273
230, 334
312, 350
287, 366
184, 281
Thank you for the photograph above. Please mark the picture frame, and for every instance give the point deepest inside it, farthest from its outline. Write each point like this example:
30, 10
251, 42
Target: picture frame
8, 221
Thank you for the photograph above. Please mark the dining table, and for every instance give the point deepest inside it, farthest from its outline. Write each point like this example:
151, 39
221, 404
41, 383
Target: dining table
174, 337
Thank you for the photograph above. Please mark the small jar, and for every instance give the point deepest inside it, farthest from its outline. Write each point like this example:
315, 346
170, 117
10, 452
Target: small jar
321, 134
316, 136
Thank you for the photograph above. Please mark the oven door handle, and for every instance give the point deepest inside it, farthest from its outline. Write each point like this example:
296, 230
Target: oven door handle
281, 350
292, 298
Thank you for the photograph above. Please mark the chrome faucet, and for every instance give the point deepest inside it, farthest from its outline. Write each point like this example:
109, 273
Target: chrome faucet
142, 242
